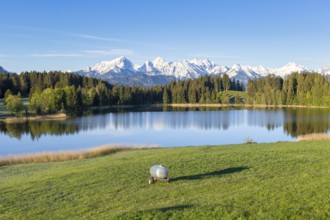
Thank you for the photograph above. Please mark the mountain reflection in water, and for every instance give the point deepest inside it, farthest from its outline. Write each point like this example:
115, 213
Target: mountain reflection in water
291, 121
294, 121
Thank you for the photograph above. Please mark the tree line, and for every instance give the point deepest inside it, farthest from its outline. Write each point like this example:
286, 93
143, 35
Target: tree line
205, 89
308, 89
51, 92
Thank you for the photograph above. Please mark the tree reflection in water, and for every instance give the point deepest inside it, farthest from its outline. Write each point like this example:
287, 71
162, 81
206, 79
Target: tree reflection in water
295, 121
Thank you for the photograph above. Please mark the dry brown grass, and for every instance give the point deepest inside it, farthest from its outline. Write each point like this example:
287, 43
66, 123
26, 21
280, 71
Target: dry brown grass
59, 116
46, 157
313, 137
240, 105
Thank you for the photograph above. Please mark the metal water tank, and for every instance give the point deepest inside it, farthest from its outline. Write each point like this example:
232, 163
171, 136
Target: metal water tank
159, 171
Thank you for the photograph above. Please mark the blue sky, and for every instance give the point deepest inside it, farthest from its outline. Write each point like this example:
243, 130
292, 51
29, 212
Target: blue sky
73, 34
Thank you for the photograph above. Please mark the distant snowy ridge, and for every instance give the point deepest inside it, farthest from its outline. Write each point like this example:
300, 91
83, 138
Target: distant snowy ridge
122, 71
324, 70
289, 68
160, 72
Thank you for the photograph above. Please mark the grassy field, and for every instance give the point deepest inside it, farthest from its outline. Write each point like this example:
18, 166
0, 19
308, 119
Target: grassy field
256, 181
3, 110
232, 94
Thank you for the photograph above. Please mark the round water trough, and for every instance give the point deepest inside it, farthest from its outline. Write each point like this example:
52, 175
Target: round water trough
158, 172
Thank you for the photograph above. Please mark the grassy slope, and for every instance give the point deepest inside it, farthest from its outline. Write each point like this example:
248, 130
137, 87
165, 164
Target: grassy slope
265, 181
3, 110
233, 93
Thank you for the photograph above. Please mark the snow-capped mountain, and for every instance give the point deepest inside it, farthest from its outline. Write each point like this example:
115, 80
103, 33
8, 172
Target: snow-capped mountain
121, 66
261, 70
183, 70
289, 68
159, 71
2, 70
245, 73
122, 71
116, 65
159, 63
148, 68
210, 66
205, 64
324, 70
242, 73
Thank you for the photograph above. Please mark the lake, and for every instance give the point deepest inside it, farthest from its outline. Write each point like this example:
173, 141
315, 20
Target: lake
168, 127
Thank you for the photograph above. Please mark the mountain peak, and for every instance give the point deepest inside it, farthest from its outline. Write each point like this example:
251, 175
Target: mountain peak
292, 64
121, 59
290, 68
147, 67
122, 62
159, 59
159, 63
202, 62
115, 65
237, 67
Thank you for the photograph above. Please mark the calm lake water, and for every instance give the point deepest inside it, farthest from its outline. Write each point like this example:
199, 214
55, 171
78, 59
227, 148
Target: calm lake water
163, 127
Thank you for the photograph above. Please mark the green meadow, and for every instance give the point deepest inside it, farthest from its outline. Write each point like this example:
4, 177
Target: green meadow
249, 181
3, 110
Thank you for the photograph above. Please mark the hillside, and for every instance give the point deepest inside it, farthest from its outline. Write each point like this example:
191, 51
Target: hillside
259, 181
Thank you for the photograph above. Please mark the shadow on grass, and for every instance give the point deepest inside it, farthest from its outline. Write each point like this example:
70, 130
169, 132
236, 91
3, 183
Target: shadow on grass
173, 208
158, 213
211, 174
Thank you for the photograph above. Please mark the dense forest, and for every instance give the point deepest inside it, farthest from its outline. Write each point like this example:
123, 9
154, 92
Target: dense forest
57, 91
206, 89
309, 89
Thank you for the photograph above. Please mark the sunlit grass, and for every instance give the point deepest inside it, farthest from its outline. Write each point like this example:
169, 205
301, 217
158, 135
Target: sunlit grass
314, 137
23, 119
233, 93
3, 110
248, 181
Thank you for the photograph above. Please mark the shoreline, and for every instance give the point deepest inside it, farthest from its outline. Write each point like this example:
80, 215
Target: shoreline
93, 152
51, 117
191, 105
67, 155
64, 116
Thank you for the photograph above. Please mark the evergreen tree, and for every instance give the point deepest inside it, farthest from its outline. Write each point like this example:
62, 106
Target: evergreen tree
165, 96
225, 82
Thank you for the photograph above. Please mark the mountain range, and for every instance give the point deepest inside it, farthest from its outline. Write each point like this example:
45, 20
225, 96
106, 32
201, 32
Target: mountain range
159, 72
122, 71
